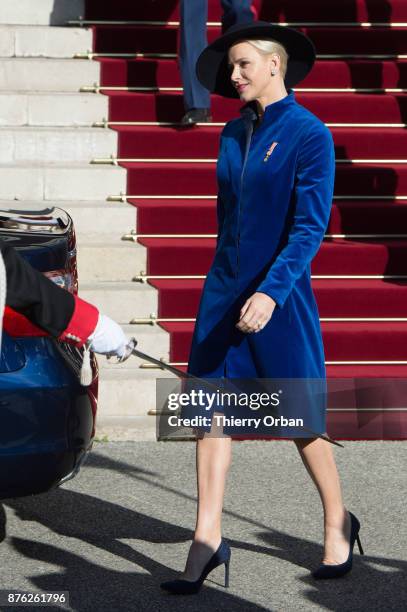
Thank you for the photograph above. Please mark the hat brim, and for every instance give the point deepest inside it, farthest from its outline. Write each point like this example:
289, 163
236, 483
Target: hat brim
212, 65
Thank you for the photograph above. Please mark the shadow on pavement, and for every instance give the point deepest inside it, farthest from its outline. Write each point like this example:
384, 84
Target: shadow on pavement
94, 585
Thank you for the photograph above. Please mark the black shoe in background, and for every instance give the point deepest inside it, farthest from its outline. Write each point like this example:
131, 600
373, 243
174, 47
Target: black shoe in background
197, 115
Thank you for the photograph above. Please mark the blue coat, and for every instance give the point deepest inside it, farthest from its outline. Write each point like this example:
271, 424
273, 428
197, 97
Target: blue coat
273, 206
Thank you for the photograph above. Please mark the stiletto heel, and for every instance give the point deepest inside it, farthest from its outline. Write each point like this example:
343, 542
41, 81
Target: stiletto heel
336, 571
227, 573
185, 587
359, 544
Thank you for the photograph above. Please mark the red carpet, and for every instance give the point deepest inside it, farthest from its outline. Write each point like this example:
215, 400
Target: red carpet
202, 142
194, 216
164, 39
372, 297
370, 194
278, 10
342, 340
144, 72
200, 179
329, 107
337, 256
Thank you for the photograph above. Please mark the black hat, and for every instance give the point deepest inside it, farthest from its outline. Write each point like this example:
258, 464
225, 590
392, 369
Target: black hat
212, 64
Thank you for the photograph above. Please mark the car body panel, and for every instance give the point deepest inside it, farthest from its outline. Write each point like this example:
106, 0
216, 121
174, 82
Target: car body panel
47, 418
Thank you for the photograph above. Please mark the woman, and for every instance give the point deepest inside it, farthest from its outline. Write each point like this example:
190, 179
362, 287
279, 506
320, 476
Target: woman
258, 316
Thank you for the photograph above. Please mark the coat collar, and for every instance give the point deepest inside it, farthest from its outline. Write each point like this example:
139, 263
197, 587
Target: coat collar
272, 111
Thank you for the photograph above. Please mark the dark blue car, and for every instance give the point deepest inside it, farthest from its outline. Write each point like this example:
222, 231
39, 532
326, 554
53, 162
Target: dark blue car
47, 419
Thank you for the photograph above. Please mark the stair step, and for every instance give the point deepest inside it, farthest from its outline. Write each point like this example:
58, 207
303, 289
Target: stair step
195, 178
199, 217
335, 297
287, 11
88, 216
338, 256
43, 74
51, 109
59, 181
327, 40
119, 300
349, 369
40, 12
343, 341
146, 72
103, 260
340, 426
329, 107
367, 371
43, 41
175, 216
100, 216
153, 142
48, 144
126, 390
151, 339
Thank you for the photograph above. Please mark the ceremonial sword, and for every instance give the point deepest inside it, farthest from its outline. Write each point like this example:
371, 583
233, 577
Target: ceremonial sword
131, 350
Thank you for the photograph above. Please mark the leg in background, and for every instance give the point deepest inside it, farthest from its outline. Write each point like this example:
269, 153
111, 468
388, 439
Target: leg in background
318, 458
236, 11
194, 15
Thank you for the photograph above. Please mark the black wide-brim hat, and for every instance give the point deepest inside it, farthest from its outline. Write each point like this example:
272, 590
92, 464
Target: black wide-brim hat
212, 64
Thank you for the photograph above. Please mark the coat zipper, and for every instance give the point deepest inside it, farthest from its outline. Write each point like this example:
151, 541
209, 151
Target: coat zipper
248, 142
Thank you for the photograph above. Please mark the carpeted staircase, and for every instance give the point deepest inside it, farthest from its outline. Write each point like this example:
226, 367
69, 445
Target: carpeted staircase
359, 88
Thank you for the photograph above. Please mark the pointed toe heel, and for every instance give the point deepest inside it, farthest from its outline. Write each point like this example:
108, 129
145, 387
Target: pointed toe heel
359, 544
186, 587
339, 570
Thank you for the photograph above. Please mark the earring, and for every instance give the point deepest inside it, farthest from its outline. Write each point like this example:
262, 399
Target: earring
272, 73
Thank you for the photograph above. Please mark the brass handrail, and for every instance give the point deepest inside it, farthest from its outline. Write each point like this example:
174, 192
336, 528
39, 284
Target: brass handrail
199, 160
152, 320
185, 363
379, 90
143, 277
122, 197
105, 123
218, 24
134, 236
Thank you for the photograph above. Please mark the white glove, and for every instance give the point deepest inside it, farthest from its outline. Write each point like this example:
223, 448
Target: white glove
108, 338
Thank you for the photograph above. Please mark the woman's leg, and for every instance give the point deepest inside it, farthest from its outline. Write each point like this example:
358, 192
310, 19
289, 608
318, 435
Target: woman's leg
213, 458
317, 456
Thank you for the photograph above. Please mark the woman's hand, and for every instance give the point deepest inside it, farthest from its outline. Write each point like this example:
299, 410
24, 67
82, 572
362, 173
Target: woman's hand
255, 313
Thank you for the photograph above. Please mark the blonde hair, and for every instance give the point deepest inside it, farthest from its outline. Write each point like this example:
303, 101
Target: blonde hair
268, 46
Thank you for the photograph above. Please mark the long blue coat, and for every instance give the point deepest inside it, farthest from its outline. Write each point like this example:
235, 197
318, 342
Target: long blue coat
275, 188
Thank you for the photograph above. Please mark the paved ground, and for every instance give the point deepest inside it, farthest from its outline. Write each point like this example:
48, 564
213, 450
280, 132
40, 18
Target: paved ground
124, 524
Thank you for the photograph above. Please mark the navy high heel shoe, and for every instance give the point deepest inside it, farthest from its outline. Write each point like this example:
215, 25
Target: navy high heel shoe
185, 587
336, 571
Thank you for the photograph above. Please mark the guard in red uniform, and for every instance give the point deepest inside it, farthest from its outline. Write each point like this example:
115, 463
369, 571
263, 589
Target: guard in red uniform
61, 314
